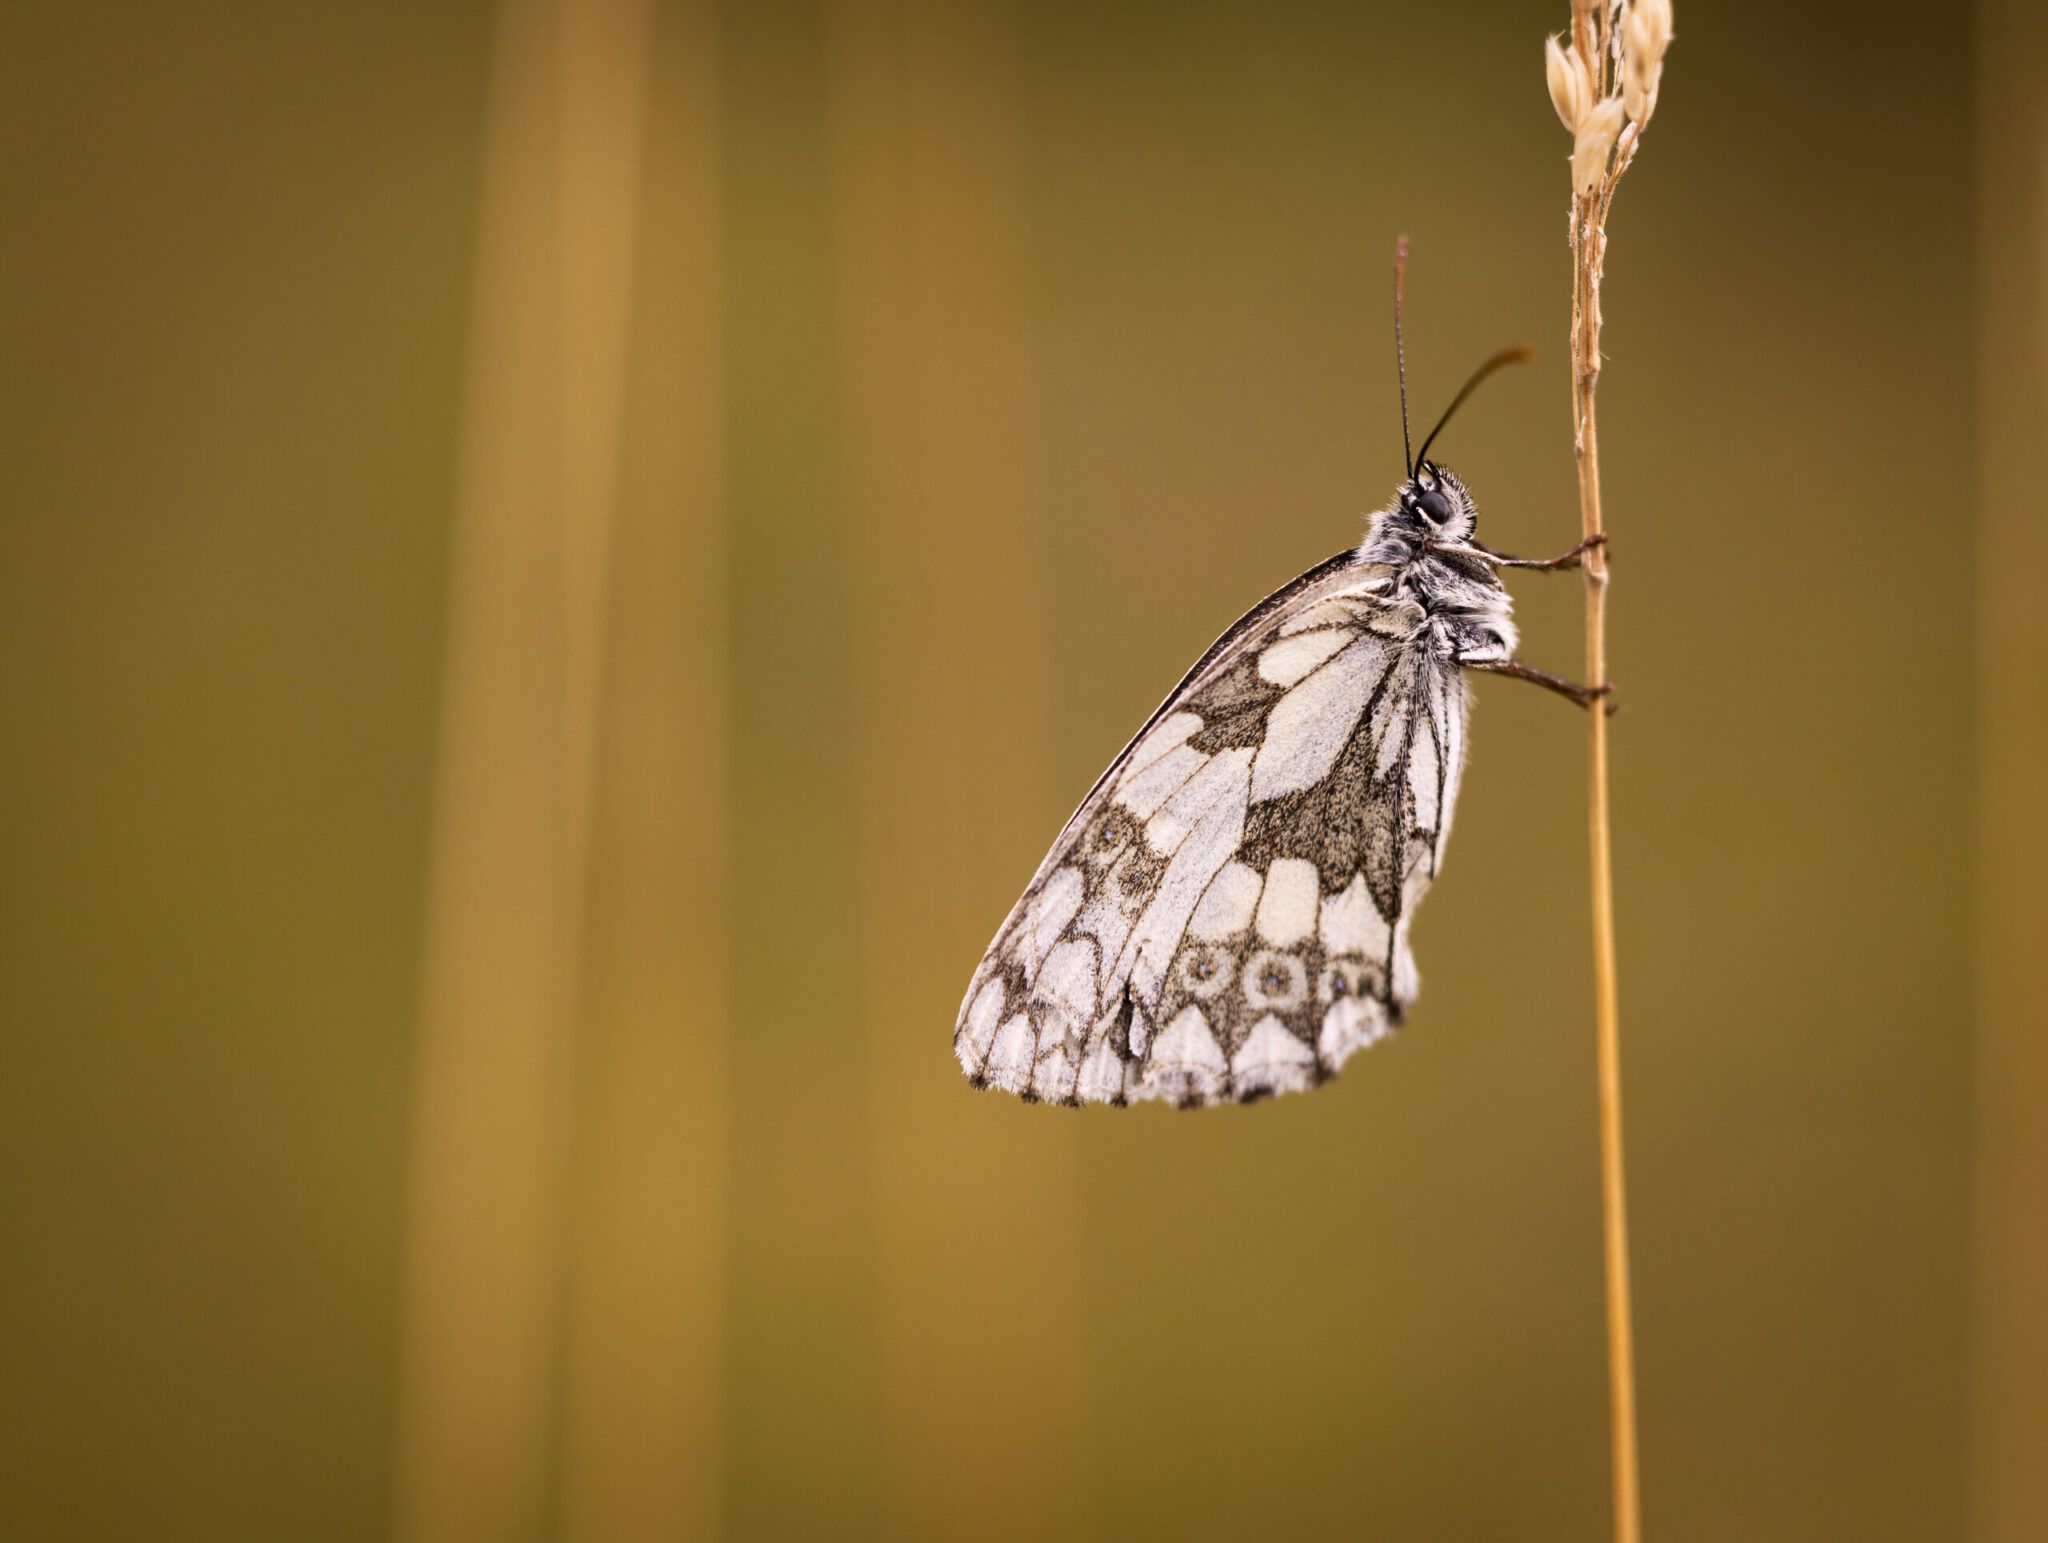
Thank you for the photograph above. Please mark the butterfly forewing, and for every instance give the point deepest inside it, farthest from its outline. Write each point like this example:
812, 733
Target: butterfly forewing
1226, 914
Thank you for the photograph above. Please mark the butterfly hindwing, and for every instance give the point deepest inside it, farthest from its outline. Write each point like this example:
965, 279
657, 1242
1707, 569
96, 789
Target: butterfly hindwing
1226, 914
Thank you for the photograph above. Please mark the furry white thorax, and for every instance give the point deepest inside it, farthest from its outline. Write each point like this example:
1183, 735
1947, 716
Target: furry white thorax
1468, 609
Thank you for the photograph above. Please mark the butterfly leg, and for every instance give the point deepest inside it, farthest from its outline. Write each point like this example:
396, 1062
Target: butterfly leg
1543, 564
1585, 696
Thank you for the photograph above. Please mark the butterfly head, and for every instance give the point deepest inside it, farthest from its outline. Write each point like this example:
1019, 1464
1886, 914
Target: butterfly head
1434, 506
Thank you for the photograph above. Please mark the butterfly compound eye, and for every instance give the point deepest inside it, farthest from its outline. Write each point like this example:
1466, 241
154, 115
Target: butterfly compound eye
1434, 506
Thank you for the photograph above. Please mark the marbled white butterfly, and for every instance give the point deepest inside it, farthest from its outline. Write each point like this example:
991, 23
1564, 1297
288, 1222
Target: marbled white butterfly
1226, 915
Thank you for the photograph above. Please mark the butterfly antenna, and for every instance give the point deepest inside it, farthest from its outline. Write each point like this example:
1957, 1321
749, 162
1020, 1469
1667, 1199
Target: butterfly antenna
1506, 356
1400, 360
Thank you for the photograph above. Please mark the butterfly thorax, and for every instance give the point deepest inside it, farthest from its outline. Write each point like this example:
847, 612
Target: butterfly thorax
1421, 539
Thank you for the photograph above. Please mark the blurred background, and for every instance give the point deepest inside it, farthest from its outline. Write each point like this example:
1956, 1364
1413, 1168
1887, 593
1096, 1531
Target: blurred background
563, 560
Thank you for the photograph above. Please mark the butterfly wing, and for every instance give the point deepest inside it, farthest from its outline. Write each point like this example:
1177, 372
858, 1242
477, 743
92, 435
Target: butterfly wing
1226, 914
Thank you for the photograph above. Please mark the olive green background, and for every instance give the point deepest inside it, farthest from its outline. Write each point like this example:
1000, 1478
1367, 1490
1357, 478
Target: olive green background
984, 361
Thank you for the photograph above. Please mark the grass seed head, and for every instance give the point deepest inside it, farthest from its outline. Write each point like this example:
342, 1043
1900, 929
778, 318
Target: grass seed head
1596, 136
1571, 88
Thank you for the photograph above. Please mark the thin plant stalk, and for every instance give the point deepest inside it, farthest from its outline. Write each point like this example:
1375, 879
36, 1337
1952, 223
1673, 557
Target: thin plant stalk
1621, 1375
1604, 85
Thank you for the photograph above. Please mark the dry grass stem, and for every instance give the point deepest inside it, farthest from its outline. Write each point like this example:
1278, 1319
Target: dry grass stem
1616, 55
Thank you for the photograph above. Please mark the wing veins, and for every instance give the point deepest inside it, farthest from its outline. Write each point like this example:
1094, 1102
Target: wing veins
1348, 558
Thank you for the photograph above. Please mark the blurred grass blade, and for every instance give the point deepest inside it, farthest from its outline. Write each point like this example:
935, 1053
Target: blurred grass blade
2009, 1486
640, 1447
503, 954
942, 472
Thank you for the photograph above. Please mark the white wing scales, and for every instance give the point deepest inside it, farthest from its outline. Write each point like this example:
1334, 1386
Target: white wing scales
1226, 915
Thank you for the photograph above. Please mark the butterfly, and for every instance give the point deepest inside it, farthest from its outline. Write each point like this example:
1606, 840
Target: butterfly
1225, 917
